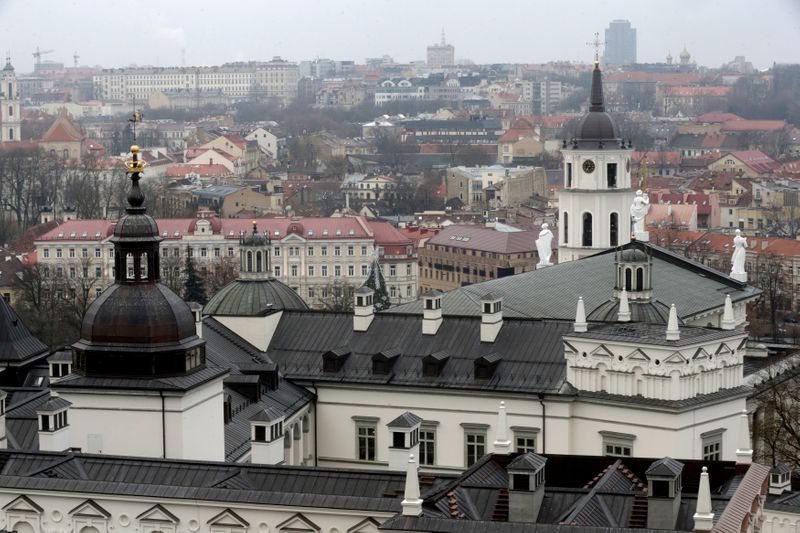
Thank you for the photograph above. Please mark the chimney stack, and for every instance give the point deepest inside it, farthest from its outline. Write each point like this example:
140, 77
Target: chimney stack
663, 493
673, 333
53, 425
624, 308
703, 517
404, 432
525, 487
432, 312
580, 317
491, 317
266, 437
197, 312
412, 503
780, 480
363, 308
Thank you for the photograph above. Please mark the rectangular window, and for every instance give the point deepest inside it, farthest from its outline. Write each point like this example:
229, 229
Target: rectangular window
46, 253
324, 270
337, 251
294, 271
363, 250
311, 292
393, 270
475, 446
363, 270
203, 252
351, 250
427, 446
216, 252
72, 250
84, 252
230, 252
324, 251
525, 441
351, 270
58, 252
366, 440
310, 250
712, 445
611, 175
277, 270
260, 434
337, 270
98, 272
311, 270
276, 252
617, 444
408, 268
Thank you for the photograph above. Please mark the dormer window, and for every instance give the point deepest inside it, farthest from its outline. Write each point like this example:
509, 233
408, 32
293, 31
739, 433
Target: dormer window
433, 364
382, 362
333, 360
486, 365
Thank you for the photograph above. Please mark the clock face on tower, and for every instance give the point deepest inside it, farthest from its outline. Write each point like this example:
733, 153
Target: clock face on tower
588, 166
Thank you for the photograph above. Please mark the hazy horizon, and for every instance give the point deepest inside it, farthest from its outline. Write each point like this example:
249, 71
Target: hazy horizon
109, 34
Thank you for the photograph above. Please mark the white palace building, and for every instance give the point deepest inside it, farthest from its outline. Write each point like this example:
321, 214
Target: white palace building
556, 398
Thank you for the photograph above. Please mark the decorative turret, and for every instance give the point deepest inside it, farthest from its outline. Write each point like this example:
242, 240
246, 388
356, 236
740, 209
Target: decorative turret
580, 325
703, 517
728, 320
10, 118
254, 254
501, 442
673, 332
138, 327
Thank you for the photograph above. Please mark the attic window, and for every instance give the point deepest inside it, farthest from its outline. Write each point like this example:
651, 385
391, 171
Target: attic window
72, 234
433, 364
97, 234
383, 361
84, 234
338, 232
177, 234
486, 365
324, 232
351, 232
333, 360
277, 233
310, 233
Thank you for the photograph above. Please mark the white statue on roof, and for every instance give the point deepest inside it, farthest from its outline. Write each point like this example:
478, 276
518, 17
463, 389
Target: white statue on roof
639, 209
737, 261
544, 246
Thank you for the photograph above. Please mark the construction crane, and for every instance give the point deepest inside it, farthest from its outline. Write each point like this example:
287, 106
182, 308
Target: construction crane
75, 58
37, 55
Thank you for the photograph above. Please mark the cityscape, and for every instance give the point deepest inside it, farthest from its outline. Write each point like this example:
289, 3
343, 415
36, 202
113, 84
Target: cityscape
432, 279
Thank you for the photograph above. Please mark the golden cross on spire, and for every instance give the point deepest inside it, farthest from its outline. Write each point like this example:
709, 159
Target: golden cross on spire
596, 43
137, 117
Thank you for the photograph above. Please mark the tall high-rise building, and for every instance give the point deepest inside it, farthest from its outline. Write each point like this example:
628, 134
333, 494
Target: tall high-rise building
441, 54
620, 43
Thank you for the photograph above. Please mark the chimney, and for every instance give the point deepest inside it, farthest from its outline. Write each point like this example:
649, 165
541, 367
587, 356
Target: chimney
53, 425
432, 312
703, 517
412, 503
673, 333
780, 479
728, 322
266, 437
404, 443
624, 314
491, 317
663, 493
3, 441
197, 311
580, 317
744, 452
525, 487
363, 308
501, 443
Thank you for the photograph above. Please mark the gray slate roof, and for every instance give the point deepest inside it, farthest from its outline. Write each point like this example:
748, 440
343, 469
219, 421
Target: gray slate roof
406, 420
665, 467
639, 332
202, 481
553, 292
531, 350
527, 461
17, 345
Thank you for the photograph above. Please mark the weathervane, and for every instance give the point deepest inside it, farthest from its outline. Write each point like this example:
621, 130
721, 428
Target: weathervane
597, 43
137, 117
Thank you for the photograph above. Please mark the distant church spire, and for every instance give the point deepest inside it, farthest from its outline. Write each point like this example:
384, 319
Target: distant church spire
596, 99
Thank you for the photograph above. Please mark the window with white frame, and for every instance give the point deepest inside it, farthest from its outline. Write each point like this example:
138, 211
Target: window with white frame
474, 442
366, 438
363, 250
427, 443
311, 270
363, 270
46, 253
525, 439
711, 442
310, 251
617, 444
324, 270
337, 270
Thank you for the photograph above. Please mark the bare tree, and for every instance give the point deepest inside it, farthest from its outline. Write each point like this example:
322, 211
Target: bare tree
776, 431
222, 271
337, 295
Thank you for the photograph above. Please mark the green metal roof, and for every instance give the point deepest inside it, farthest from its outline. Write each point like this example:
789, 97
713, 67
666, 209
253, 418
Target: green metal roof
260, 297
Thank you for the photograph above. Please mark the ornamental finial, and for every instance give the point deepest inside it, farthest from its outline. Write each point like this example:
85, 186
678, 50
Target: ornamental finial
596, 43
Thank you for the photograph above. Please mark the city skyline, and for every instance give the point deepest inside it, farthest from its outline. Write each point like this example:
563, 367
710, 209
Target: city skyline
713, 31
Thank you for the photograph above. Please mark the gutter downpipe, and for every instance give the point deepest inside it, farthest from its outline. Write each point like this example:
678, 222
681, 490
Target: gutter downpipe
544, 423
316, 412
163, 427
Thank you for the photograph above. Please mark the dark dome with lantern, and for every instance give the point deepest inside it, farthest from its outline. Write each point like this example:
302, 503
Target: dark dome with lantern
137, 327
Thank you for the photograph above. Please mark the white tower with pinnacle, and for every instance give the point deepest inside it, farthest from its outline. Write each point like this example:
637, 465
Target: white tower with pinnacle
594, 205
10, 120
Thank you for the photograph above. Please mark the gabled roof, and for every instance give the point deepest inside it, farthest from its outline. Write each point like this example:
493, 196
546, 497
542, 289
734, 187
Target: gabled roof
17, 344
665, 467
527, 461
62, 130
406, 420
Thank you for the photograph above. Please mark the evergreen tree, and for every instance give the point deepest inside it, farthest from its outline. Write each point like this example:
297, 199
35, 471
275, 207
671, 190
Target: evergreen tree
193, 289
376, 282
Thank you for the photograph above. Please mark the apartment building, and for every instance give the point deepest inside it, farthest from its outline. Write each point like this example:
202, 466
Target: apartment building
308, 254
273, 79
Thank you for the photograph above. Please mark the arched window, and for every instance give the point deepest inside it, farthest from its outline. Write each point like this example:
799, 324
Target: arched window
639, 279
249, 261
566, 227
613, 232
10, 134
10, 111
586, 239
628, 279
10, 92
569, 175
258, 261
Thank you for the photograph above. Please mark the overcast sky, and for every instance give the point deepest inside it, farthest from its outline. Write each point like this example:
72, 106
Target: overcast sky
114, 33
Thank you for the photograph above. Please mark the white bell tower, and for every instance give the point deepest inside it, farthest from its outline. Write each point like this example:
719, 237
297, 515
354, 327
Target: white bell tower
594, 205
10, 120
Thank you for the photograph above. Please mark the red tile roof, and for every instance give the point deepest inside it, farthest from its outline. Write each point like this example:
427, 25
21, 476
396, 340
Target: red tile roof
656, 77
62, 130
755, 159
754, 125
716, 118
386, 234
658, 158
698, 91
181, 170
486, 239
